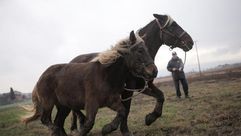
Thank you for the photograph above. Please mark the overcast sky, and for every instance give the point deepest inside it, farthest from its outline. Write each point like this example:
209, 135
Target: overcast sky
37, 34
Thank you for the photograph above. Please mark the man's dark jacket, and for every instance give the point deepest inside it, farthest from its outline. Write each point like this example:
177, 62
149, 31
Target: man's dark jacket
178, 64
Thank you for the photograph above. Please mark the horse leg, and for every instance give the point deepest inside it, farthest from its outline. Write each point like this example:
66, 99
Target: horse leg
126, 94
73, 121
77, 115
117, 106
127, 104
46, 118
157, 112
91, 111
81, 117
47, 107
62, 113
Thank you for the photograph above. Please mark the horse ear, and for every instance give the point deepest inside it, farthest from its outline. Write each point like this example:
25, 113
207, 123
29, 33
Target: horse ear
156, 16
161, 18
132, 38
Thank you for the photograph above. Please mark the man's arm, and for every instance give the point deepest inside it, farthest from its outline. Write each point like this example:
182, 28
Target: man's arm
170, 67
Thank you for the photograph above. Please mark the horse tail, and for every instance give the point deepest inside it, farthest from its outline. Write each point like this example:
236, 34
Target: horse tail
26, 107
37, 107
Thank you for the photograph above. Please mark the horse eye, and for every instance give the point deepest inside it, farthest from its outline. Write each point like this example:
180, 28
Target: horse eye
170, 28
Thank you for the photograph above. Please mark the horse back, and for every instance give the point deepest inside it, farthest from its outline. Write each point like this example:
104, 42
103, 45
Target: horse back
47, 83
74, 82
84, 58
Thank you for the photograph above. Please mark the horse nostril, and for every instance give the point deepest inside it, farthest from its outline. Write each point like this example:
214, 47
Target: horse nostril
152, 70
191, 43
155, 72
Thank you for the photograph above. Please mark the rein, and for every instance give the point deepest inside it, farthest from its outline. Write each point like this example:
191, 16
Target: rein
135, 90
185, 58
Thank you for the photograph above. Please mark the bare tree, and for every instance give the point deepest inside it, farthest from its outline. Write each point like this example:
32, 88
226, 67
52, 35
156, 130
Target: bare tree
12, 95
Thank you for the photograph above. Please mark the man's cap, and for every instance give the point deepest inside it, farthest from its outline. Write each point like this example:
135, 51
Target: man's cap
174, 53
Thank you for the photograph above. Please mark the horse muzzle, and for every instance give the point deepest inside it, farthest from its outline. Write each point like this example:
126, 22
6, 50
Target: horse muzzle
187, 43
150, 71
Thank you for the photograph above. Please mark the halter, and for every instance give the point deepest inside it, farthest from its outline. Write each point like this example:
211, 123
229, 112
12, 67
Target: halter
163, 30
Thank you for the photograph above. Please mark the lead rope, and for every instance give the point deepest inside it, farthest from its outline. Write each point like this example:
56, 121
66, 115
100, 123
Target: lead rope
185, 59
139, 91
185, 56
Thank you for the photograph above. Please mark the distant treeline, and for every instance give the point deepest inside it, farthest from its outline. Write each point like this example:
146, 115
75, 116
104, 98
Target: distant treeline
13, 97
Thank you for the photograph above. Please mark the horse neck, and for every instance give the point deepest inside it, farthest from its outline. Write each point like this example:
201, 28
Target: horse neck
116, 73
152, 37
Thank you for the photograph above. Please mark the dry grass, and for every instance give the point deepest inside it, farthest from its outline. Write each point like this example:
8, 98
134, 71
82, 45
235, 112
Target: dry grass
214, 109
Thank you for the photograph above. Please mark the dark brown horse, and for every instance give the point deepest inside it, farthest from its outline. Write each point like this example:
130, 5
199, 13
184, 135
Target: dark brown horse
162, 30
91, 85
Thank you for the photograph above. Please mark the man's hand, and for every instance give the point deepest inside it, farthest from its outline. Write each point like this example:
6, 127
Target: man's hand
180, 69
174, 69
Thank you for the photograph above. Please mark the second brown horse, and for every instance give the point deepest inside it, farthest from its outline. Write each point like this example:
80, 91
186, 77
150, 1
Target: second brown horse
92, 85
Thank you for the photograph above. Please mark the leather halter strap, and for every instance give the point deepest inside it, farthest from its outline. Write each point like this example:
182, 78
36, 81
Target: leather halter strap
163, 30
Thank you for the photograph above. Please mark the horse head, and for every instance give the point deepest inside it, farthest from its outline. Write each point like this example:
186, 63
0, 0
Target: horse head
172, 34
137, 57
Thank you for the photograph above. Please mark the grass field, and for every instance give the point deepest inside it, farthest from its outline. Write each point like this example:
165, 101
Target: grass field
214, 109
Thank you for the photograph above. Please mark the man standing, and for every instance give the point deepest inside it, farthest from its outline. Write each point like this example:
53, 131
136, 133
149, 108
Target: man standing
175, 65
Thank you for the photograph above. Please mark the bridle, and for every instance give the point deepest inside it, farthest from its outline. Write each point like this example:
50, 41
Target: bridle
164, 30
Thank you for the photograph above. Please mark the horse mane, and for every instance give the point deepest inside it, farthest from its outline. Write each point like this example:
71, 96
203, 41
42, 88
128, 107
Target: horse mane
111, 55
143, 34
169, 20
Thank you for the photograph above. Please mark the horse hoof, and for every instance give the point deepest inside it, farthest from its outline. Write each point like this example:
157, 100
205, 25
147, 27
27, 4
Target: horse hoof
73, 128
57, 132
74, 132
150, 118
108, 128
127, 134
